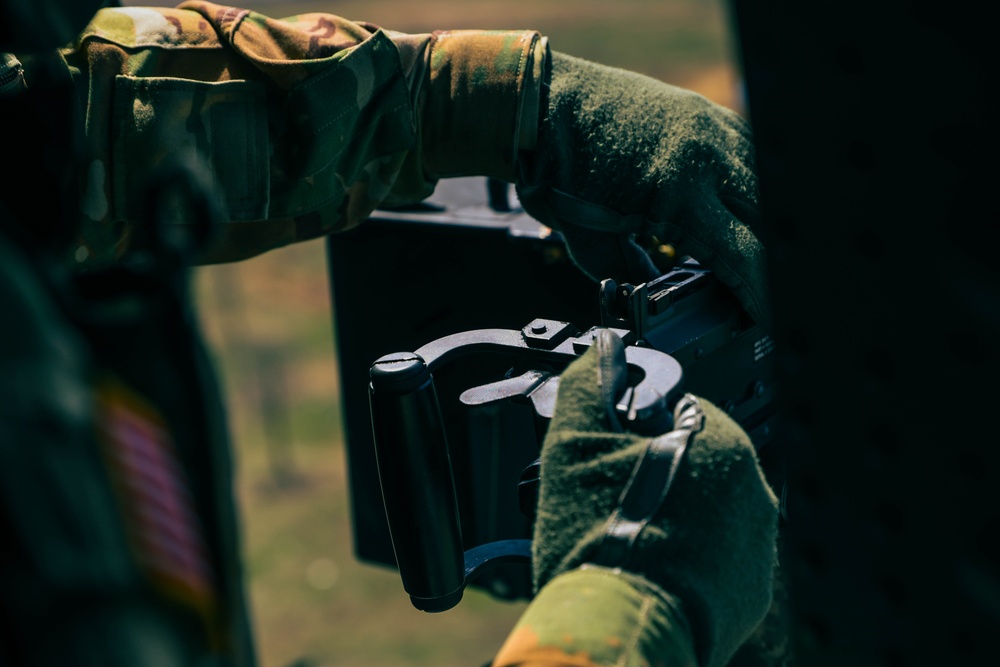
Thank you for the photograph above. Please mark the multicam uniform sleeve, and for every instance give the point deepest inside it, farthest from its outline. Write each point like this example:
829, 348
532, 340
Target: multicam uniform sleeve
596, 617
305, 124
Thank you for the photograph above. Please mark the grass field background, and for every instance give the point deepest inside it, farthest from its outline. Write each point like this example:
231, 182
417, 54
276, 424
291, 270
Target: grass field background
269, 326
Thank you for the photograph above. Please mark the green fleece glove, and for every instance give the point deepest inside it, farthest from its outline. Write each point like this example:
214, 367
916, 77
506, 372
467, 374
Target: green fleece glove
620, 154
711, 544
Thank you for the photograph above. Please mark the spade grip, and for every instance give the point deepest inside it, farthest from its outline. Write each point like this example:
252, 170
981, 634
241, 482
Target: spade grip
418, 488
411, 449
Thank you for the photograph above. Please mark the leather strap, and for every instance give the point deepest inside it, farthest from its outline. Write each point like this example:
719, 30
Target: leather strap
648, 486
589, 215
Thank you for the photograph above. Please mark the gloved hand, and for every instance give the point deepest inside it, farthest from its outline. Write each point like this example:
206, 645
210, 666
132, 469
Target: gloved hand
619, 153
710, 544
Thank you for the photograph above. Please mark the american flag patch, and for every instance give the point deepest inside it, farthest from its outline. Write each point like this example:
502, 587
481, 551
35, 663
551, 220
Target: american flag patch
163, 529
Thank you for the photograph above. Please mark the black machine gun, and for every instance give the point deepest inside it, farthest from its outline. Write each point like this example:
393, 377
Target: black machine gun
457, 424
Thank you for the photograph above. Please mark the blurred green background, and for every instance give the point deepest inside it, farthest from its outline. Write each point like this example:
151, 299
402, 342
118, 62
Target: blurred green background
269, 326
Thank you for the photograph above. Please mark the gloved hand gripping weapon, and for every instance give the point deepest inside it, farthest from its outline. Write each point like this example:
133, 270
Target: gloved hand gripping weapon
684, 332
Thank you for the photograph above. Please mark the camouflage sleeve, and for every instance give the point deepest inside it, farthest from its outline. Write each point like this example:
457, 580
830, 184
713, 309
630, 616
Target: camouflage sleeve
596, 617
305, 124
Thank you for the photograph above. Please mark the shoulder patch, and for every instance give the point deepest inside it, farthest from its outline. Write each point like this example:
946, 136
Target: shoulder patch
157, 510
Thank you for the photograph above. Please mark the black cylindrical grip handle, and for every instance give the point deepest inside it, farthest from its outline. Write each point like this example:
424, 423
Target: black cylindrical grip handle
417, 485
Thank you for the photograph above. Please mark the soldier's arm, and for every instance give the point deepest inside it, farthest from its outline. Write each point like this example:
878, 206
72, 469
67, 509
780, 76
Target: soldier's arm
305, 124
597, 617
